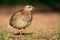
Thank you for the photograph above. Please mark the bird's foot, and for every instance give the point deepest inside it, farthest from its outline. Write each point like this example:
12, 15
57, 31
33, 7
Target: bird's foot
18, 33
23, 33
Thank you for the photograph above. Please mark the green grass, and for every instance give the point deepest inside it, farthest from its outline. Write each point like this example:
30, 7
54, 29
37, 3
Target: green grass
4, 36
39, 36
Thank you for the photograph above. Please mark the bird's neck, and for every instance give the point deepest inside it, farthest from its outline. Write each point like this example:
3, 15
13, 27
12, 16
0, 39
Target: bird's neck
26, 11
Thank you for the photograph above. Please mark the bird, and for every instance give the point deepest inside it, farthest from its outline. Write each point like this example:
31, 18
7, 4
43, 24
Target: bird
22, 18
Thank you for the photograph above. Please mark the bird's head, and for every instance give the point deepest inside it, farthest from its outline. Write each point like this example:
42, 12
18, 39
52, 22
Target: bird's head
28, 8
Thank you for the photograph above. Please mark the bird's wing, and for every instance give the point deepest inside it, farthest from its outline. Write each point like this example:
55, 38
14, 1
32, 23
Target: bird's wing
15, 16
27, 19
30, 21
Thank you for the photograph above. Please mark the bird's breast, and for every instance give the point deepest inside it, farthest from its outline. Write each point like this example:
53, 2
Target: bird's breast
20, 23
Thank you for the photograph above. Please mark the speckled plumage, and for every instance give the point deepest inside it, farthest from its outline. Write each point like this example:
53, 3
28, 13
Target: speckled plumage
20, 20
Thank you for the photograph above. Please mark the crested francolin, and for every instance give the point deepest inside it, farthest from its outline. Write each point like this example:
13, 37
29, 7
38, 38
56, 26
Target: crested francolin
22, 18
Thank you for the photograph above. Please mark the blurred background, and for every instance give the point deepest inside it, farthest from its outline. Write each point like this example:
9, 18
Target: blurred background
45, 14
53, 4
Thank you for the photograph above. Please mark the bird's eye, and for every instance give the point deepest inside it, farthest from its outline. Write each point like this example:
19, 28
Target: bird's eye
29, 7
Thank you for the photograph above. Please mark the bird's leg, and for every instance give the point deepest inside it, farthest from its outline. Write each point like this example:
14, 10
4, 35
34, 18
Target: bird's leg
24, 32
21, 31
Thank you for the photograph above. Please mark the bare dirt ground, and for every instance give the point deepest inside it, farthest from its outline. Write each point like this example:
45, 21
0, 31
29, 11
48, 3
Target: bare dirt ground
46, 22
